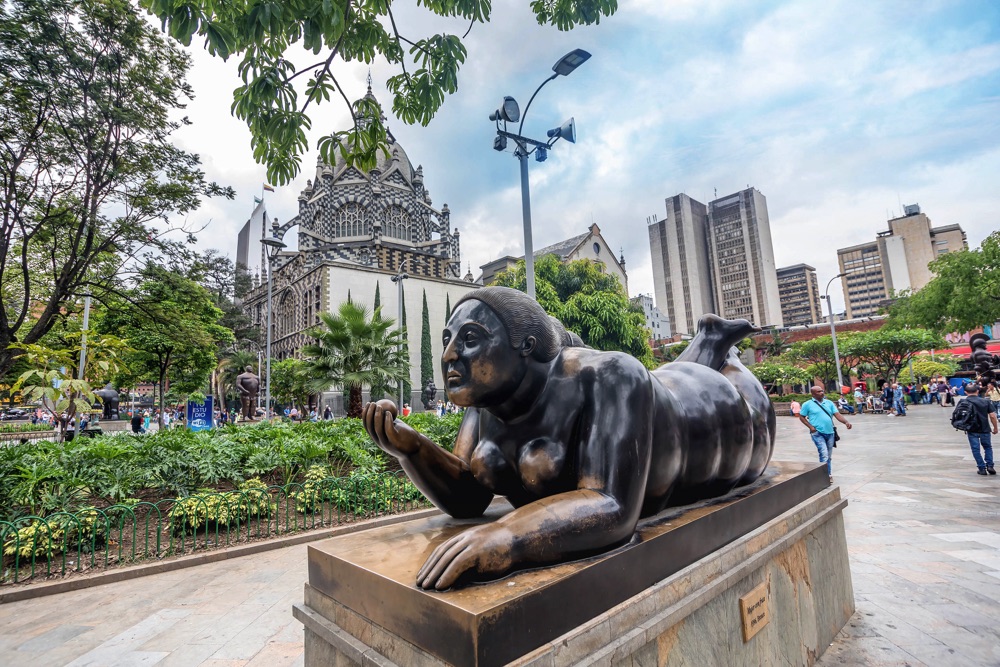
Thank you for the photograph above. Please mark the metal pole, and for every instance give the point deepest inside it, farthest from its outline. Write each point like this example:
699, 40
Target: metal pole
833, 334
529, 257
399, 311
83, 337
267, 361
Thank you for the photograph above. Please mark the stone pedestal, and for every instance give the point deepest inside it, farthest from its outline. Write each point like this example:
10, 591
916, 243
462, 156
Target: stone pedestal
670, 597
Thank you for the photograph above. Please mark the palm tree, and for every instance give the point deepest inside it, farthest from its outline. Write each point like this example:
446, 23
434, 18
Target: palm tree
354, 351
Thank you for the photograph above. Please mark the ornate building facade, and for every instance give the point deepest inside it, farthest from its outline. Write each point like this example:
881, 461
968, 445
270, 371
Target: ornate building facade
356, 230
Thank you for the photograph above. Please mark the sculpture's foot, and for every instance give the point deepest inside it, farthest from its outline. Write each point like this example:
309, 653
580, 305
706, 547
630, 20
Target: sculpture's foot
716, 337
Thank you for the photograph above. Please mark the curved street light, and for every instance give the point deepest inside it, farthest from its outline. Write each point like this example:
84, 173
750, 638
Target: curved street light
833, 333
273, 245
509, 112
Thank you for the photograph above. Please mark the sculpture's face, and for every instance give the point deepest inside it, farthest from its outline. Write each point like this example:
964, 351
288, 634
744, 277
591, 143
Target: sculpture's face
480, 366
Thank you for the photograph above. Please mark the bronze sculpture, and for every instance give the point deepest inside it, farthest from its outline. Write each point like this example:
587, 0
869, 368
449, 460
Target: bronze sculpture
248, 386
581, 442
986, 365
429, 395
110, 402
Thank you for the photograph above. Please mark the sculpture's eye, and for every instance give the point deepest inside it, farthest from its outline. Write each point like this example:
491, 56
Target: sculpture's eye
446, 338
471, 339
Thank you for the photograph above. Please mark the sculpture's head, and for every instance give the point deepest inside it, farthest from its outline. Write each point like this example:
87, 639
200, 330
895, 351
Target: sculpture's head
248, 369
492, 337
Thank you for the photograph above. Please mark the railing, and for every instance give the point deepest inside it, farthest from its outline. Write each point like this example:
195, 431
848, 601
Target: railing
100, 538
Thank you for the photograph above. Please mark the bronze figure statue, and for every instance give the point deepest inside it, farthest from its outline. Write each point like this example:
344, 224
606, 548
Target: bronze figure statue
248, 386
110, 402
581, 442
986, 365
429, 395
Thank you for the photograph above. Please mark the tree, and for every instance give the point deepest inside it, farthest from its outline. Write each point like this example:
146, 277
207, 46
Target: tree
53, 378
407, 387
816, 355
267, 98
89, 94
171, 324
426, 356
217, 273
447, 308
774, 375
964, 293
888, 350
925, 368
354, 350
589, 302
291, 382
378, 296
775, 345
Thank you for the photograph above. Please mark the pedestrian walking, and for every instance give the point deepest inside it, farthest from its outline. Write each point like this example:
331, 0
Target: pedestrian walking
818, 415
992, 393
977, 416
898, 402
327, 413
942, 392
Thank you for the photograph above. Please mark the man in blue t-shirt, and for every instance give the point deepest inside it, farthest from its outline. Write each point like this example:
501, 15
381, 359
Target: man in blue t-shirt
818, 415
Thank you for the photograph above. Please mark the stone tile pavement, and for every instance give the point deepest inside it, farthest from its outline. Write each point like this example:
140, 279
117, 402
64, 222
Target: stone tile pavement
923, 532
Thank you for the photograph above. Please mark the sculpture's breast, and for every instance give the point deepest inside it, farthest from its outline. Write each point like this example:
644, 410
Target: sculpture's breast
492, 469
542, 464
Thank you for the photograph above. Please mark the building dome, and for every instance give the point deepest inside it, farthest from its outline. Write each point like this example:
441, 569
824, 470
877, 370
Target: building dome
396, 159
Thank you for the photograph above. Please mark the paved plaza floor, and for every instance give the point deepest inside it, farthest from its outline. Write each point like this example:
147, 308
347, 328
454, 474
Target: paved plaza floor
922, 528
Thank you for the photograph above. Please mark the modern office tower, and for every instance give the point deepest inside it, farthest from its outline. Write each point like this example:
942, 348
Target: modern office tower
799, 295
682, 277
656, 322
896, 260
742, 259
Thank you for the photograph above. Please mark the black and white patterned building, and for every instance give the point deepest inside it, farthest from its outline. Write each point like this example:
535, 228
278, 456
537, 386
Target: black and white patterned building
355, 230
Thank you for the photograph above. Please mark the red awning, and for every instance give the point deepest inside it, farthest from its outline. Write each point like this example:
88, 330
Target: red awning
965, 350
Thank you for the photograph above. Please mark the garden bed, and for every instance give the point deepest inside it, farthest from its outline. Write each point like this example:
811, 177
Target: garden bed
86, 505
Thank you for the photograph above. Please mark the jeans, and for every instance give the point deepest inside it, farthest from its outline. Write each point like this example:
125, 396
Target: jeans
977, 440
824, 445
900, 406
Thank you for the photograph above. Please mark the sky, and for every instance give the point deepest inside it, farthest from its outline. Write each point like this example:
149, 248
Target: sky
840, 112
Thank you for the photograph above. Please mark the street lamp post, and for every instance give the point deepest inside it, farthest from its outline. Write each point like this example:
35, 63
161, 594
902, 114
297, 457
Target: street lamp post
274, 244
508, 112
833, 333
398, 279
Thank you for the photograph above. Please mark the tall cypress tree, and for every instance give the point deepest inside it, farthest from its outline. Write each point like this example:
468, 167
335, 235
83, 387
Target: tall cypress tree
378, 297
407, 388
447, 308
426, 357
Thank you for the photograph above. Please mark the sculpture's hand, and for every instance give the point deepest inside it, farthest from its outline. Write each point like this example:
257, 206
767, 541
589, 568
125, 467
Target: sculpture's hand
393, 436
485, 550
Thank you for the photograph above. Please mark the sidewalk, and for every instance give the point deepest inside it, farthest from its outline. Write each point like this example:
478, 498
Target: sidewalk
923, 531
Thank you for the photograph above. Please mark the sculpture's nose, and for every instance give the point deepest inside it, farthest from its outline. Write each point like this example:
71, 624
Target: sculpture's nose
450, 354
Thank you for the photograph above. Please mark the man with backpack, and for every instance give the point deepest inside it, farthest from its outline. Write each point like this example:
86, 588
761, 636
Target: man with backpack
818, 415
975, 415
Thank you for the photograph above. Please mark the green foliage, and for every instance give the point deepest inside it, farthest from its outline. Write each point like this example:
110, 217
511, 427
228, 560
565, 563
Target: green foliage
426, 356
588, 302
778, 374
372, 493
887, 350
788, 398
816, 356
925, 368
88, 173
407, 388
963, 295
313, 492
266, 35
210, 508
50, 537
172, 325
441, 430
25, 428
354, 350
291, 381
378, 297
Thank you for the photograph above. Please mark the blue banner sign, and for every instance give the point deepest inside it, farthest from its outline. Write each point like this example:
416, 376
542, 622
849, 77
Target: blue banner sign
199, 415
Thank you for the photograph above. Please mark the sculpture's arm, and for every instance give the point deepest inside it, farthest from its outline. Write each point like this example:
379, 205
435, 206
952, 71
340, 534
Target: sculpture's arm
614, 460
443, 477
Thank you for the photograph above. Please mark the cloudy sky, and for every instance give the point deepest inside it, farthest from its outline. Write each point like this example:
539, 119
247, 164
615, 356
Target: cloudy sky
838, 111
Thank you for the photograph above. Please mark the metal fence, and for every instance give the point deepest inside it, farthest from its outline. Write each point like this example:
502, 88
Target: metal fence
99, 538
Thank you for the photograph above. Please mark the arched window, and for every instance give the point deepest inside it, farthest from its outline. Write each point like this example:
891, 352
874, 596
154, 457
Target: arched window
397, 224
350, 220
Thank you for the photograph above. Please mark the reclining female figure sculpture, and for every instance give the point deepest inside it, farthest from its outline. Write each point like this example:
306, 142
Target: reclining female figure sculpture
581, 442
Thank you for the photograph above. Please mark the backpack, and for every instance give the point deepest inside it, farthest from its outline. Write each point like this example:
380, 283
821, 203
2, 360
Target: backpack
964, 417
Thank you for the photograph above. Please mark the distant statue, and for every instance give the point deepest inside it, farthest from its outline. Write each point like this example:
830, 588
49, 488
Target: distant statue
987, 366
581, 442
248, 386
429, 395
109, 400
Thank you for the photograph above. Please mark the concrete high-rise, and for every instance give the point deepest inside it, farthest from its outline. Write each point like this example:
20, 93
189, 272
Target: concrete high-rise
799, 295
682, 277
742, 258
715, 259
896, 260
